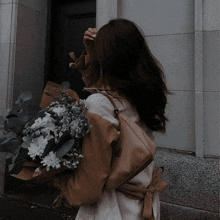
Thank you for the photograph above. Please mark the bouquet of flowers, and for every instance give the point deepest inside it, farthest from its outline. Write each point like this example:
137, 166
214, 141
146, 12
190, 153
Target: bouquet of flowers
38, 140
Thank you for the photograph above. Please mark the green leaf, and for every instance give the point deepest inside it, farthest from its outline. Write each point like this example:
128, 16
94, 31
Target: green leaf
3, 139
14, 157
18, 101
25, 96
2, 119
7, 138
33, 110
18, 160
10, 167
49, 147
16, 125
12, 146
10, 135
14, 111
26, 143
23, 116
6, 127
65, 148
9, 155
65, 85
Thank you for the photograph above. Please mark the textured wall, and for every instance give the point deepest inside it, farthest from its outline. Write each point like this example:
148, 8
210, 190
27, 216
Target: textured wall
30, 47
22, 49
8, 16
211, 27
190, 57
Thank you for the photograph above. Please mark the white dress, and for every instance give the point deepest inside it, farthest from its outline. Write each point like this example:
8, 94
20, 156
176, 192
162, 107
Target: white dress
115, 205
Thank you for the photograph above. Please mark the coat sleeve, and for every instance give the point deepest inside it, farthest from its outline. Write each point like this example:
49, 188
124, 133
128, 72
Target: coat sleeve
85, 186
88, 66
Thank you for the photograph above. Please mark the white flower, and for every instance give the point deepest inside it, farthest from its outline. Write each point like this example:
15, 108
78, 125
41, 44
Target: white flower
27, 141
51, 161
46, 131
84, 102
47, 121
74, 124
37, 147
76, 110
49, 137
76, 128
59, 110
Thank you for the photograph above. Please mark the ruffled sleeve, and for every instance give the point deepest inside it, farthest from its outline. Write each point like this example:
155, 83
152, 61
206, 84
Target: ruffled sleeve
88, 66
85, 185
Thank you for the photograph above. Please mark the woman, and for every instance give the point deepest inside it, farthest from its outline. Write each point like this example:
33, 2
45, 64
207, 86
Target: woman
117, 60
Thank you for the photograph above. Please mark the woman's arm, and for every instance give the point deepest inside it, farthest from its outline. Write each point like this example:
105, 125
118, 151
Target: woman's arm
87, 63
86, 184
88, 40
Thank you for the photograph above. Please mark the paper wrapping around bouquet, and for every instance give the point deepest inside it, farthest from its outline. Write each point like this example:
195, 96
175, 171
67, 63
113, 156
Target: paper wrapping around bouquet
28, 170
48, 91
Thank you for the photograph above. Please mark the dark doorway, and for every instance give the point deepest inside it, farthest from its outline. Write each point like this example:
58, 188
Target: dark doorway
67, 22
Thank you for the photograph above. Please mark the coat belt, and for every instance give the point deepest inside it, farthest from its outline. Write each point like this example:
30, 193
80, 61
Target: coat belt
138, 192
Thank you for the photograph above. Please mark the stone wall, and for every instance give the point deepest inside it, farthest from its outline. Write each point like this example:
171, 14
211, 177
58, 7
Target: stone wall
30, 48
22, 49
8, 18
184, 36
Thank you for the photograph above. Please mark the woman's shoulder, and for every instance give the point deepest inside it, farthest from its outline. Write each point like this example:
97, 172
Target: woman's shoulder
100, 105
95, 98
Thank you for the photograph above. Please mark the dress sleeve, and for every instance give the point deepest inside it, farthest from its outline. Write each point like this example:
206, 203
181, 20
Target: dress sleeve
89, 67
85, 185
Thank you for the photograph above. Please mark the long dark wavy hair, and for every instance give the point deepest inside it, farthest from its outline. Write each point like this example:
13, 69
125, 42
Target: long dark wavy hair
129, 68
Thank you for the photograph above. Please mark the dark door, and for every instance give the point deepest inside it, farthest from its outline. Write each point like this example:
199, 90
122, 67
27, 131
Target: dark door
68, 21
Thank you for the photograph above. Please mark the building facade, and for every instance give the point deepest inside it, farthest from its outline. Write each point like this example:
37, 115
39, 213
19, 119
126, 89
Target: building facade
184, 35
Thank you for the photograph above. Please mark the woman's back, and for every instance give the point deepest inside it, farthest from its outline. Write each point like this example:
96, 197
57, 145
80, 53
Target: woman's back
114, 204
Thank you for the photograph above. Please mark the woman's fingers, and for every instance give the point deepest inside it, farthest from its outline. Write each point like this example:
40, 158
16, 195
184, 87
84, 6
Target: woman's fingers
87, 38
90, 34
93, 30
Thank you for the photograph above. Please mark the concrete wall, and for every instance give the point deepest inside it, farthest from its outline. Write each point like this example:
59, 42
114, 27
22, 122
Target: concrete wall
22, 49
30, 47
168, 28
211, 30
8, 18
184, 36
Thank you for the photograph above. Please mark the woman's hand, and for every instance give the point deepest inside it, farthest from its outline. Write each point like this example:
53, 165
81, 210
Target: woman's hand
88, 40
90, 35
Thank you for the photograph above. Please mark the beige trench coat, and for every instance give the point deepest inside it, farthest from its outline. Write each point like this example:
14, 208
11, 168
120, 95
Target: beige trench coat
86, 188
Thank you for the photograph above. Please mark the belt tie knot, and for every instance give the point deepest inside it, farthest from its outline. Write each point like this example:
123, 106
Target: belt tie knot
134, 191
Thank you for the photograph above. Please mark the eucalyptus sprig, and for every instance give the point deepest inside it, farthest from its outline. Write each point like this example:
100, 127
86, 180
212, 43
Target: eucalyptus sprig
20, 116
51, 137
